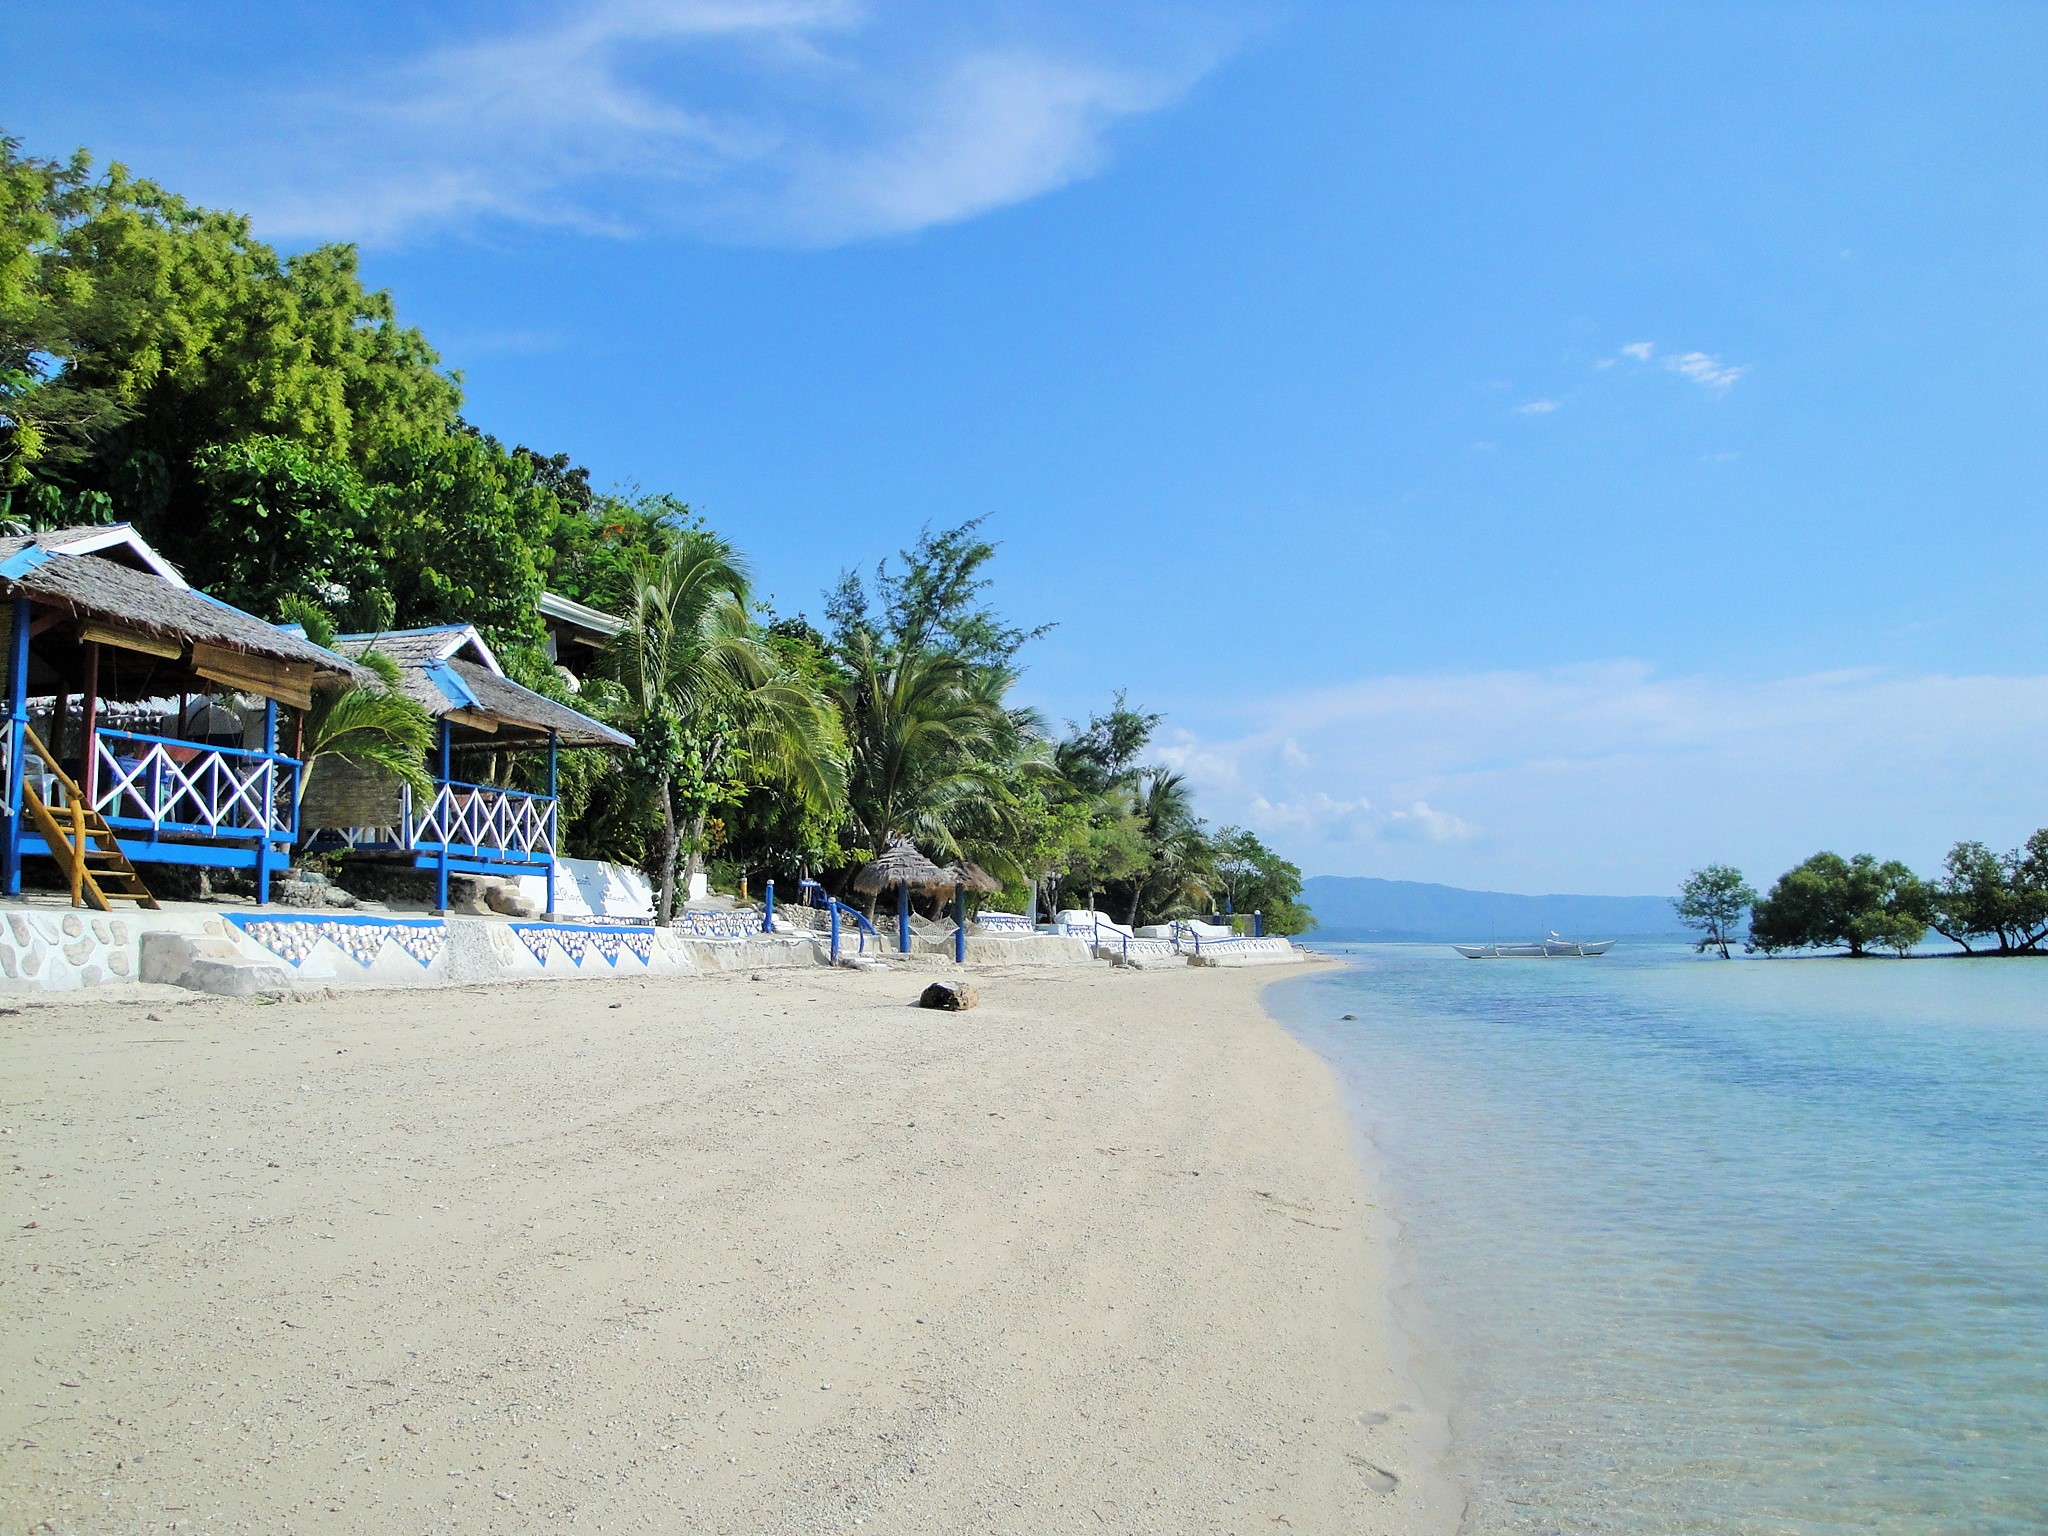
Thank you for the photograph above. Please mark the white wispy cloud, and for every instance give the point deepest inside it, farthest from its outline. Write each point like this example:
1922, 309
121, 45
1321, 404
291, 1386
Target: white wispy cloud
1706, 370
1639, 350
1537, 407
788, 121
1616, 778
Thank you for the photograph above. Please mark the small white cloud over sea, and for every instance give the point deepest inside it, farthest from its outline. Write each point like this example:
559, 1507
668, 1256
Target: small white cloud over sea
1616, 778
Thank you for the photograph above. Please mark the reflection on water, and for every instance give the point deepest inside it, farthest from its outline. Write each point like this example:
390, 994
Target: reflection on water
1715, 1246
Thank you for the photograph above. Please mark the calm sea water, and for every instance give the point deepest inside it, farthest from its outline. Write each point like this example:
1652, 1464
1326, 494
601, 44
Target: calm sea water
1707, 1246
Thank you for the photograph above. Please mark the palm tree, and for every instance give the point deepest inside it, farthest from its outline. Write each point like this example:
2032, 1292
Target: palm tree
1178, 871
375, 726
710, 703
927, 740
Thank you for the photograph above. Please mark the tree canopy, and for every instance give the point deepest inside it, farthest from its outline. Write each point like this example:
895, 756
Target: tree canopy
1829, 901
275, 428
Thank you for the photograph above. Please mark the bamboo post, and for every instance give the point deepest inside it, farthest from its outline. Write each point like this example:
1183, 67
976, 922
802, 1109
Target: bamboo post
77, 871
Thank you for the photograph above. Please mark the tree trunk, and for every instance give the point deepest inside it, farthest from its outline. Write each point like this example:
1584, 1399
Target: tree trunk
696, 844
667, 907
1137, 895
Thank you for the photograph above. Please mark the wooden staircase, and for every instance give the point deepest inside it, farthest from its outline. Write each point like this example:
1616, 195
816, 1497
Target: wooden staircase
80, 840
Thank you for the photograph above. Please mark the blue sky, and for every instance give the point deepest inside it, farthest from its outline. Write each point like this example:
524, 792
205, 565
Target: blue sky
1534, 446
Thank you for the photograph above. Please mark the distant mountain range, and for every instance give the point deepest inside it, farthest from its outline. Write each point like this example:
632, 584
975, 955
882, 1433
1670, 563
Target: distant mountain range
1362, 908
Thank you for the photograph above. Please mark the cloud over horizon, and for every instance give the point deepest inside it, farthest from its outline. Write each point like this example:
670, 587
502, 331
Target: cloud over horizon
792, 122
1611, 778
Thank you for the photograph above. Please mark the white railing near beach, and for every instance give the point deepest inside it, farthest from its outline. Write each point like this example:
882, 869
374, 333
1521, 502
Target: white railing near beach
506, 823
504, 826
1190, 940
160, 785
1106, 938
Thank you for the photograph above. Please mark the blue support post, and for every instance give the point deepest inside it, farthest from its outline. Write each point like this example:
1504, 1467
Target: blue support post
768, 907
554, 816
959, 925
447, 828
835, 929
263, 843
17, 745
1258, 925
902, 917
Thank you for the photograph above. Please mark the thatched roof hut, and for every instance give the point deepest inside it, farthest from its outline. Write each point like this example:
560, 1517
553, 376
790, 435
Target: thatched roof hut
902, 865
450, 671
117, 591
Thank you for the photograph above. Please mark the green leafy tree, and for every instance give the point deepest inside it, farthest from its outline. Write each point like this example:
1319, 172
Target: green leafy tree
1711, 902
1253, 878
710, 703
2003, 898
1175, 877
46, 419
288, 524
934, 602
924, 733
1106, 753
463, 526
1108, 849
168, 327
1830, 901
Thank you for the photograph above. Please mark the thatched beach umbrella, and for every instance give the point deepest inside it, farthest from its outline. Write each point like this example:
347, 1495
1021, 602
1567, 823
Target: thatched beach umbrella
903, 867
968, 875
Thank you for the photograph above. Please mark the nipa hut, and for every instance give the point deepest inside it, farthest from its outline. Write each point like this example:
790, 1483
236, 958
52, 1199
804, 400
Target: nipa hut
474, 822
94, 616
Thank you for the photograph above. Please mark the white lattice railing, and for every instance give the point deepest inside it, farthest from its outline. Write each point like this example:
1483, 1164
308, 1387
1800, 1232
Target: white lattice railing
480, 820
180, 787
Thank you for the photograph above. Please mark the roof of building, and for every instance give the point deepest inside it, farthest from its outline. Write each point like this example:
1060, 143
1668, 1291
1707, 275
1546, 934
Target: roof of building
575, 615
450, 670
112, 575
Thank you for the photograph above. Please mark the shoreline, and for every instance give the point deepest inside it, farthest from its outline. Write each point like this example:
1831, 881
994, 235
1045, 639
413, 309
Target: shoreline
769, 1252
1407, 1328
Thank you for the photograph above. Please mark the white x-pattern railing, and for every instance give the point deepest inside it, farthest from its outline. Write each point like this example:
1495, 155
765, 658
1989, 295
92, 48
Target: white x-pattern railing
475, 817
181, 787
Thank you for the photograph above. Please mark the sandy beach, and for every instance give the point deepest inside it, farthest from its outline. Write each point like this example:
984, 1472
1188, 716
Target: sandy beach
746, 1254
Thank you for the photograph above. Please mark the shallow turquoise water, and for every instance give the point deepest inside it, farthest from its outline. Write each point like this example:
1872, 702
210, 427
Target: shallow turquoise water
1705, 1246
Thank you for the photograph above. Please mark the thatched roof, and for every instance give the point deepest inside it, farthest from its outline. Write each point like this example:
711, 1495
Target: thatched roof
500, 696
902, 865
449, 670
94, 586
971, 875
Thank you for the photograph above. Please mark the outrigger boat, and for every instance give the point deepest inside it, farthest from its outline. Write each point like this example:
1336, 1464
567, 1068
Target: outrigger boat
1555, 947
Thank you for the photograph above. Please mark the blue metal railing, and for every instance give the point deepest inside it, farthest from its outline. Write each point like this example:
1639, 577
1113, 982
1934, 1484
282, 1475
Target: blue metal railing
834, 906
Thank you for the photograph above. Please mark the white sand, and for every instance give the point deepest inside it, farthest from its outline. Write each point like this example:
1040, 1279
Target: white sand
733, 1255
